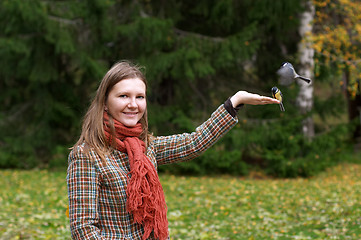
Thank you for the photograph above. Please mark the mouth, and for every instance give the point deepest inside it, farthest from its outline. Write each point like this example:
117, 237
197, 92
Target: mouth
130, 114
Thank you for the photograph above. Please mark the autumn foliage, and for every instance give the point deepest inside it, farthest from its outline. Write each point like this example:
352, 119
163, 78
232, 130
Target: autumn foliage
337, 39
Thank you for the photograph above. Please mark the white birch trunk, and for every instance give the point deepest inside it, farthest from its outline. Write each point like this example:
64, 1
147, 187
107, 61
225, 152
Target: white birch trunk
306, 53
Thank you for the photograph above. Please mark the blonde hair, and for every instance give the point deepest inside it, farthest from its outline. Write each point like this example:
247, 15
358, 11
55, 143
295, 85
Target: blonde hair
92, 133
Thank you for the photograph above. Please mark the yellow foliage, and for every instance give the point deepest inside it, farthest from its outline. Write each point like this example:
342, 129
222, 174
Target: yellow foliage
337, 37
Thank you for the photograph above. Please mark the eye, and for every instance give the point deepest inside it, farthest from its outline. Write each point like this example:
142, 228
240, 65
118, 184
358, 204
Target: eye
122, 96
140, 97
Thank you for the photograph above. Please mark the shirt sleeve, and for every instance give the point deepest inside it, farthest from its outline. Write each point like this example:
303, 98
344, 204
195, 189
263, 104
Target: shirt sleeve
229, 107
186, 146
83, 185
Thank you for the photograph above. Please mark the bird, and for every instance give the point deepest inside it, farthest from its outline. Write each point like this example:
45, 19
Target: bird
277, 94
288, 74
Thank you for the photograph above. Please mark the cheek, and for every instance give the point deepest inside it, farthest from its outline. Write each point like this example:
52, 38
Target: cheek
114, 105
143, 106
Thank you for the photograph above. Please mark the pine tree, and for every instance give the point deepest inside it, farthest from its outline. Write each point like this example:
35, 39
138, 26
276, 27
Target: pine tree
47, 67
196, 53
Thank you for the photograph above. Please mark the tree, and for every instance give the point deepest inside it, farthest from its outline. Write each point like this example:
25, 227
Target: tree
337, 42
47, 65
53, 54
201, 50
306, 54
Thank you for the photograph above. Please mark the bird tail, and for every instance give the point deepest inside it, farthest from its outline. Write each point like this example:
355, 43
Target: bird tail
282, 107
305, 79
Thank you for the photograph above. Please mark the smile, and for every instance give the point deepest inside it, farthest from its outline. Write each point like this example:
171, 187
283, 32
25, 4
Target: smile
130, 114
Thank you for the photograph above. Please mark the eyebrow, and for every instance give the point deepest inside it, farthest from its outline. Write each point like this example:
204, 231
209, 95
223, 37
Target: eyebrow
130, 92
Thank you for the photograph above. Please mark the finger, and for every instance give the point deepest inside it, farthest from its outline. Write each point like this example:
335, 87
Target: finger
268, 100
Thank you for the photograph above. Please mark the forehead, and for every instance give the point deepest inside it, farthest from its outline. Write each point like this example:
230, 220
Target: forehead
130, 85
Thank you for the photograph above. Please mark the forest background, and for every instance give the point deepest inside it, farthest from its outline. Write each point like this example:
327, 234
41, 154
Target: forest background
196, 54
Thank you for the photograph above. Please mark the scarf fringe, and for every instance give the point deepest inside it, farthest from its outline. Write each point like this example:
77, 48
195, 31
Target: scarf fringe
146, 197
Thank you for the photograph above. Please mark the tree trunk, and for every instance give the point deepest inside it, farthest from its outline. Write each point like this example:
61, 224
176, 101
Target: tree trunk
354, 107
306, 53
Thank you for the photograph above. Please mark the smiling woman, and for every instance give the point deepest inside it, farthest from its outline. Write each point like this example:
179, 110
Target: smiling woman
126, 101
113, 186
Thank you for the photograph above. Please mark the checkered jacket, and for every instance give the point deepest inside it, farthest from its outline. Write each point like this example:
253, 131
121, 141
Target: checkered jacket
97, 191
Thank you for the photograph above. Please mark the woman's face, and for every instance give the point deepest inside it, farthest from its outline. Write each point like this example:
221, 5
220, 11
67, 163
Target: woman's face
126, 101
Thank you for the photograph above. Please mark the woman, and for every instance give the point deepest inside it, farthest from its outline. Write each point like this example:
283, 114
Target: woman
113, 187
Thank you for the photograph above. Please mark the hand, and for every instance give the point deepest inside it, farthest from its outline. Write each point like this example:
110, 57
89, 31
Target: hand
243, 97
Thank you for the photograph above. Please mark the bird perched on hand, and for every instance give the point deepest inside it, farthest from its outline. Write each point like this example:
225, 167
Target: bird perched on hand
277, 94
288, 74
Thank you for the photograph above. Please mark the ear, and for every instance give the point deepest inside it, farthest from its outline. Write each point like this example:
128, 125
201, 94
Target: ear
105, 108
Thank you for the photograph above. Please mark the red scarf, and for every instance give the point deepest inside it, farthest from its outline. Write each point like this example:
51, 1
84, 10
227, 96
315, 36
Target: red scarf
144, 192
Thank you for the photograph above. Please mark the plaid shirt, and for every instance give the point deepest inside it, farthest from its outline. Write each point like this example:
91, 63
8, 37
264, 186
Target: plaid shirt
97, 192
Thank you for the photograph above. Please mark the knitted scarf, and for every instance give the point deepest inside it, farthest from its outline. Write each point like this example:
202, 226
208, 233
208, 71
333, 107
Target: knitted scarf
145, 196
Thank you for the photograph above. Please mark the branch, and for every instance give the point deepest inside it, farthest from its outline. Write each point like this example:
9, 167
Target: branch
256, 121
64, 20
197, 35
141, 11
16, 115
179, 32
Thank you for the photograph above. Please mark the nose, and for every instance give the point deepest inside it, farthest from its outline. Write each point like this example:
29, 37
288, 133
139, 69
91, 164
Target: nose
132, 103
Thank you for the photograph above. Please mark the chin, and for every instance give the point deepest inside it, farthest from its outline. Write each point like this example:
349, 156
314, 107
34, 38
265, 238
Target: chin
130, 124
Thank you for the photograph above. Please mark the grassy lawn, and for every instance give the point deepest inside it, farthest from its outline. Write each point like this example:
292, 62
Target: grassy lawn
33, 204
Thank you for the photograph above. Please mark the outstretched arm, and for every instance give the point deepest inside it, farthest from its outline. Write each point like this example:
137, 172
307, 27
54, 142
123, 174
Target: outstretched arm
243, 97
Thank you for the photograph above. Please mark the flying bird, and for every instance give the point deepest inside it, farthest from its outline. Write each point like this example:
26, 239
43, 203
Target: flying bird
287, 74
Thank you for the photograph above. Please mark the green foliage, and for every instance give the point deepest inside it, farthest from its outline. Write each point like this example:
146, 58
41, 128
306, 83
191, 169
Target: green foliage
276, 146
190, 49
286, 153
214, 161
47, 78
54, 53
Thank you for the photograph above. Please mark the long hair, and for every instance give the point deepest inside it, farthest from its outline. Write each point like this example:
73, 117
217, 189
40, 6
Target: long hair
92, 133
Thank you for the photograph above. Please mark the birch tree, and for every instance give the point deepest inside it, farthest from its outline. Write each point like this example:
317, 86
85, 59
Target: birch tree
306, 53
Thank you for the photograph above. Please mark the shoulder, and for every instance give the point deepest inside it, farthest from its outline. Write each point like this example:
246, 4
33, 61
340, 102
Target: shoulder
84, 154
77, 152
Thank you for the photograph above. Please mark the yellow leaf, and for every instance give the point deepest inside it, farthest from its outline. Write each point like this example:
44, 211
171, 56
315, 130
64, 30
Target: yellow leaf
67, 211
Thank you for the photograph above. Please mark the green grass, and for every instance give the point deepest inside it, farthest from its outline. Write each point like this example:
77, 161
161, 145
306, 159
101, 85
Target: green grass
33, 204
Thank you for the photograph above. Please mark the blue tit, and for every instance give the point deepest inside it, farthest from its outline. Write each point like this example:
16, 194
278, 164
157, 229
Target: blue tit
288, 74
277, 94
